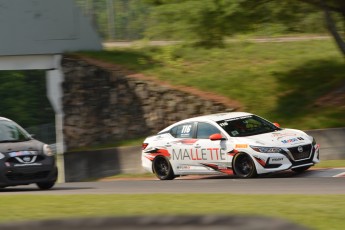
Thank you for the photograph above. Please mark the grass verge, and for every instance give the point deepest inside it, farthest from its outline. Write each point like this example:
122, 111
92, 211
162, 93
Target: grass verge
280, 81
314, 211
331, 164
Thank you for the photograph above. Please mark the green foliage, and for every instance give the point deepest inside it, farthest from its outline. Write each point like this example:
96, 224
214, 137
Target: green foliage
205, 22
129, 17
267, 78
23, 97
208, 22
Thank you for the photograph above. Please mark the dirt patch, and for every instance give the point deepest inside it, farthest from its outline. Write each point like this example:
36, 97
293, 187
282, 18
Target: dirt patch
333, 98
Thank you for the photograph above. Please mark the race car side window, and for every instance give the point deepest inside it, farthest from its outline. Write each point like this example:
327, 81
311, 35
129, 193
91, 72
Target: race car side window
205, 130
173, 131
183, 131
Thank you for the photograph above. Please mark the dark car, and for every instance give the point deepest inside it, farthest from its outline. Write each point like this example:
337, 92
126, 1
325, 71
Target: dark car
23, 159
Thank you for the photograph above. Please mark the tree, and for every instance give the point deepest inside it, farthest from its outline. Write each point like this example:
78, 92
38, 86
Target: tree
117, 19
329, 7
208, 22
23, 97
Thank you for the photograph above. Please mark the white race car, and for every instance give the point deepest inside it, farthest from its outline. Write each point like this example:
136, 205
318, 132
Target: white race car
237, 143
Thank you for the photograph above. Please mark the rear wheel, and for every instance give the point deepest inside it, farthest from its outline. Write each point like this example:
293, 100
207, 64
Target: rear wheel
244, 166
301, 169
162, 168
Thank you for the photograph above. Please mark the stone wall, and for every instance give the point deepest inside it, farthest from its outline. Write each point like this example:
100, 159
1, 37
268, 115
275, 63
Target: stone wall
104, 103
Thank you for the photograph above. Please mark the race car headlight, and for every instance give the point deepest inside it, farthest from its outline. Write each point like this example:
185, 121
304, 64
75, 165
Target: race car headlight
2, 156
47, 150
267, 149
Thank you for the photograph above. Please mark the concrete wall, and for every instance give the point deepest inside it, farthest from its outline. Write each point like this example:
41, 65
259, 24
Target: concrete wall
81, 166
86, 165
332, 143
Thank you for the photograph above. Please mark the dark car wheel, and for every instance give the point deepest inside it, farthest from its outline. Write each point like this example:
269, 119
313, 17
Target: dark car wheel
244, 166
45, 185
162, 168
301, 169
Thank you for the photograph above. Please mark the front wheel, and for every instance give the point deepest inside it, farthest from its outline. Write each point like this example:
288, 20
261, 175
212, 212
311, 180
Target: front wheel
244, 166
45, 185
162, 168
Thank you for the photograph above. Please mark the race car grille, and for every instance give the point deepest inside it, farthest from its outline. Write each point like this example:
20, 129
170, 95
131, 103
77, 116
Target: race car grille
301, 152
27, 176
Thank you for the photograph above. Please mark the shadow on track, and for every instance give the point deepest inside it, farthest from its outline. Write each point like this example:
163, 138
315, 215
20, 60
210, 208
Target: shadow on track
285, 174
33, 189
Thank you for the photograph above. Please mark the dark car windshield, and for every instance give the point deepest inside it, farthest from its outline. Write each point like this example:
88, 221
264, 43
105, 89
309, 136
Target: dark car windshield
247, 126
11, 132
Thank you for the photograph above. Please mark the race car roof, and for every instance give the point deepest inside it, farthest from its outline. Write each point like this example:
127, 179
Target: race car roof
5, 119
221, 116
211, 117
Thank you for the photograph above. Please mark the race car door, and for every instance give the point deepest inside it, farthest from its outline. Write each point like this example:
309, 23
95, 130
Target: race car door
180, 148
211, 154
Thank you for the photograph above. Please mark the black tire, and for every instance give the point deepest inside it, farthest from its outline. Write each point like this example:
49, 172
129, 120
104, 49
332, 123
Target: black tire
244, 166
162, 168
45, 185
301, 169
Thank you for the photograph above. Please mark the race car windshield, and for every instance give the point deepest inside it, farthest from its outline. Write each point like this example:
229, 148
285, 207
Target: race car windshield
11, 132
247, 126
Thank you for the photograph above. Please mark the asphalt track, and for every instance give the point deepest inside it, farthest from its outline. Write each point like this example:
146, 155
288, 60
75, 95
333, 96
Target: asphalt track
317, 181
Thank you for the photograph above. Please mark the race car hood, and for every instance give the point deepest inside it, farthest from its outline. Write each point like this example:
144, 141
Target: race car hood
21, 146
283, 138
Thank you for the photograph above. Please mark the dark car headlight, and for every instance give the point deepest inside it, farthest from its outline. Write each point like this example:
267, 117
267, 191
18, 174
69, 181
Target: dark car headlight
262, 149
47, 151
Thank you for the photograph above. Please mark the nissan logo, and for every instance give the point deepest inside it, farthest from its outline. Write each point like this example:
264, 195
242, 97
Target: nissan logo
27, 159
300, 149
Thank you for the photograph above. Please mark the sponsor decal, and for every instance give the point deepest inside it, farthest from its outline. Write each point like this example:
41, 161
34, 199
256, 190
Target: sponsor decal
220, 168
183, 167
282, 135
277, 159
199, 154
223, 124
291, 140
241, 146
235, 133
237, 118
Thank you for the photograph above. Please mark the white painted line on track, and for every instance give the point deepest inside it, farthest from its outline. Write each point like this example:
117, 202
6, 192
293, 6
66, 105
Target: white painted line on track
340, 175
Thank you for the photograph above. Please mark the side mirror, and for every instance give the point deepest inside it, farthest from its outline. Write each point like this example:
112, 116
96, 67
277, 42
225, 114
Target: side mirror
277, 124
216, 137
